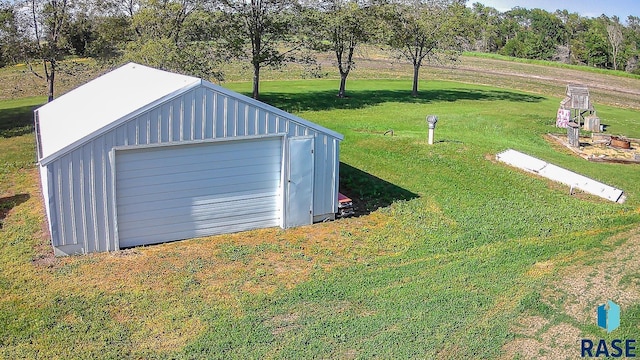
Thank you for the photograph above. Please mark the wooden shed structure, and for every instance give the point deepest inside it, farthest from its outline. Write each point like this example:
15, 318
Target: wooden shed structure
577, 107
142, 156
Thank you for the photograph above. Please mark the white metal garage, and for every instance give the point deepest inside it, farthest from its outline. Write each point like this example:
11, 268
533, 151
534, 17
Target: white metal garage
141, 156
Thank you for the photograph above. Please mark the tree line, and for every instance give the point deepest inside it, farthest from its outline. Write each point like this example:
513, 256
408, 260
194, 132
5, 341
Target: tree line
198, 37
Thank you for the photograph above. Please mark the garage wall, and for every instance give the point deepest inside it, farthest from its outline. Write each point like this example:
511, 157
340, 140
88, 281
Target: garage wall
80, 183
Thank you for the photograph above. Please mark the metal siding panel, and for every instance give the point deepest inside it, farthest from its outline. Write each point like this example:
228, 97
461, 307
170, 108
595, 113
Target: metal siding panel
291, 129
165, 125
108, 191
176, 120
93, 191
231, 118
221, 197
186, 126
132, 133
99, 217
154, 126
60, 201
74, 197
320, 183
209, 115
221, 115
190, 113
85, 195
282, 125
252, 121
91, 221
336, 174
241, 119
50, 203
186, 118
142, 124
120, 136
272, 122
198, 114
262, 122
247, 127
65, 204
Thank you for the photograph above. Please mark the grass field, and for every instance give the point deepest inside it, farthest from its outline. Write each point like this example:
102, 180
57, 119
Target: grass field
458, 256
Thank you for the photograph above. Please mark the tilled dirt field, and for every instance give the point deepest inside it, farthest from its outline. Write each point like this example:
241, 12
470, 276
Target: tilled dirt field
375, 64
550, 81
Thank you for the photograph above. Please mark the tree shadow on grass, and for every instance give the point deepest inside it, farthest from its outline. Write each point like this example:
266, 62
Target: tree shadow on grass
8, 203
357, 99
16, 121
369, 192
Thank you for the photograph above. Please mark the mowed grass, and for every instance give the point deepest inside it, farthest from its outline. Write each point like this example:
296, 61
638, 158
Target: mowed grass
446, 262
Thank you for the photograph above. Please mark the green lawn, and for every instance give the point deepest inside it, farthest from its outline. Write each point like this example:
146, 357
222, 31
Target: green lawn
443, 266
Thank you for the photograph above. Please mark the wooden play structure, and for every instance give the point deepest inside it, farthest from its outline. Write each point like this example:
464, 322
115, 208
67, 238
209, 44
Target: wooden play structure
577, 108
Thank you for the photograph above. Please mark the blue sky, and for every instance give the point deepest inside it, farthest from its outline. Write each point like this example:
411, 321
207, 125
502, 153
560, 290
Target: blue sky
590, 8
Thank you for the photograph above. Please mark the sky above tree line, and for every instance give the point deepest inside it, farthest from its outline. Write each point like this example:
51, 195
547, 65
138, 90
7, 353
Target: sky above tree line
589, 8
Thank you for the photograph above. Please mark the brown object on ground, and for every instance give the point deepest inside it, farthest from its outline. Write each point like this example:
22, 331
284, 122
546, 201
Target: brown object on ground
599, 148
620, 143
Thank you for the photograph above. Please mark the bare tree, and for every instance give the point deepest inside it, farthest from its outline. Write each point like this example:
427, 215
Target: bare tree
49, 19
614, 33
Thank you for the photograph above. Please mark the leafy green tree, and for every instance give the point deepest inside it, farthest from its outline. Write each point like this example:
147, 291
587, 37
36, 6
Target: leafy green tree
596, 43
164, 38
632, 48
572, 23
486, 25
13, 42
341, 26
546, 32
259, 30
427, 29
80, 34
109, 37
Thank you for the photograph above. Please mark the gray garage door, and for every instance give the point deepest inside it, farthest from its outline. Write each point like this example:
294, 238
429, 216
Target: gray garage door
185, 191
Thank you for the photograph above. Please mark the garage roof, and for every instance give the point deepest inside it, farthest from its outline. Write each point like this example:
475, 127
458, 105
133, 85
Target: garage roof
111, 99
97, 104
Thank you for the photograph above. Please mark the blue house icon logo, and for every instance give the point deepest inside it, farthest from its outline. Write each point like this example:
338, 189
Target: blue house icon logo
609, 316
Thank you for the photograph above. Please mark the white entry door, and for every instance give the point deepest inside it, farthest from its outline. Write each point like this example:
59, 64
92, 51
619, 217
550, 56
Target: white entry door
299, 195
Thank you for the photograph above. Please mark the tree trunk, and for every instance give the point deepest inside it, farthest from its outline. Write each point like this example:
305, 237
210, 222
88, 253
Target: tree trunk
416, 72
343, 84
51, 77
256, 80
